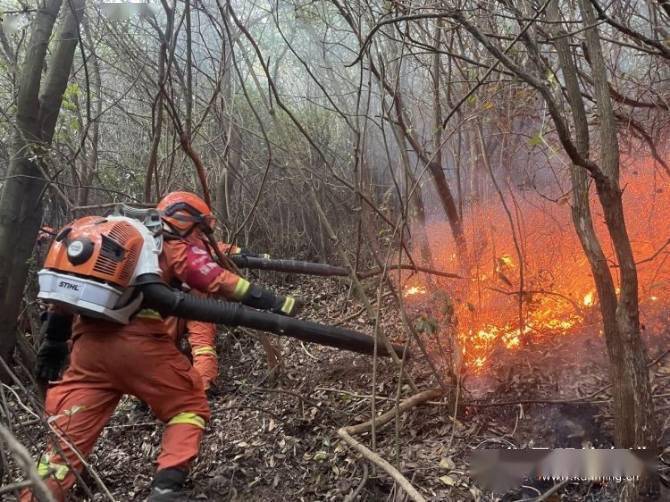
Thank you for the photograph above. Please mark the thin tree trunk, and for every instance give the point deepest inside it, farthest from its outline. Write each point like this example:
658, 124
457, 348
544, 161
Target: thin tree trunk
91, 163
157, 110
636, 427
632, 403
37, 113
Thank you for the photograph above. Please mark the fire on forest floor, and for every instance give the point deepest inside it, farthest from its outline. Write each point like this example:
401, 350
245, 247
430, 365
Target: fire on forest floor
529, 282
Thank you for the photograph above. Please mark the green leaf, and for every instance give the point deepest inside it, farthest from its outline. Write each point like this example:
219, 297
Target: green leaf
551, 79
71, 90
536, 140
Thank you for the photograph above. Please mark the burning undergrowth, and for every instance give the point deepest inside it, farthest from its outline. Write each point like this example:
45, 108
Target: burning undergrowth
529, 281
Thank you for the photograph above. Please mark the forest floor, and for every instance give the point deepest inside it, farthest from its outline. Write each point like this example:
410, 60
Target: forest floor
275, 438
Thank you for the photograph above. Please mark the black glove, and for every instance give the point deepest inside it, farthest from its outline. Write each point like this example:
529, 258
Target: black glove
50, 360
52, 354
262, 299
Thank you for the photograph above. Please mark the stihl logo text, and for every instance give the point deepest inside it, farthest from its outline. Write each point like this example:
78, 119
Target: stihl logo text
68, 285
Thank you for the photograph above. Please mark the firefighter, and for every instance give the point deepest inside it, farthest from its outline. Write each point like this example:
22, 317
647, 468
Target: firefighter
141, 358
201, 335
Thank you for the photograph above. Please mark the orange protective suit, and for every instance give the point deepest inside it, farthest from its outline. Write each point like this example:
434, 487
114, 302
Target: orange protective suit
201, 336
202, 340
142, 359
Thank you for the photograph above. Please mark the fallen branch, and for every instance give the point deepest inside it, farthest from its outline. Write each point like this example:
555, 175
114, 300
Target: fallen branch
575, 305
546, 494
369, 396
346, 432
25, 461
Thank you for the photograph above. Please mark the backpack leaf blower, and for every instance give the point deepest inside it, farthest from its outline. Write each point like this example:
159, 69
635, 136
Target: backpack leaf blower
108, 268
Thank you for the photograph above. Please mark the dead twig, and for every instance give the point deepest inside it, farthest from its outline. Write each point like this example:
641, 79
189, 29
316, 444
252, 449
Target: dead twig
380, 462
25, 461
538, 292
109, 205
350, 317
413, 268
309, 354
94, 473
346, 434
357, 491
15, 486
368, 396
546, 494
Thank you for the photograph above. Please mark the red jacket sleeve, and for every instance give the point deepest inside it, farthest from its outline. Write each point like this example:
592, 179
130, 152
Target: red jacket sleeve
193, 265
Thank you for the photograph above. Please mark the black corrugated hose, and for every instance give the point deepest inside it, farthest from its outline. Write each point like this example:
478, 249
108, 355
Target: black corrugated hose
168, 301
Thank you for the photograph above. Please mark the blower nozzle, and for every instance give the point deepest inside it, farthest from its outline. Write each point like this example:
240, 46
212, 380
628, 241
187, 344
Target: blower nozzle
289, 266
167, 301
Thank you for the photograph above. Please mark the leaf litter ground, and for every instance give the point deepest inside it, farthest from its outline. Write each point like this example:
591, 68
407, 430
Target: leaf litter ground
274, 437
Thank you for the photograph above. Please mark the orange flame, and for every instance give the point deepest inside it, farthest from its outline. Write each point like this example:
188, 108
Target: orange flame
495, 309
414, 290
588, 299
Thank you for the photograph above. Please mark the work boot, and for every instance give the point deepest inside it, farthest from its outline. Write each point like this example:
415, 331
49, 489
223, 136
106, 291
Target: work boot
168, 486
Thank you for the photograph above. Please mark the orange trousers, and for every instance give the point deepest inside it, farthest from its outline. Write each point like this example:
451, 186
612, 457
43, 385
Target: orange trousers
104, 367
201, 337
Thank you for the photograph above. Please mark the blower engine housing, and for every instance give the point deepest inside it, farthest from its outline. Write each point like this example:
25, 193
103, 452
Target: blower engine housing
93, 264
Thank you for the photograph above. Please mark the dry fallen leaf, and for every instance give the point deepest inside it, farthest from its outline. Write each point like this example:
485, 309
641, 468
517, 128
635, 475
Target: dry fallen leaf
447, 463
448, 480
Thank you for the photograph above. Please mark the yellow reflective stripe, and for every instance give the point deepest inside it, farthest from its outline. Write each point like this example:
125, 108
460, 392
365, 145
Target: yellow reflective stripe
149, 314
241, 289
188, 417
204, 350
45, 468
288, 305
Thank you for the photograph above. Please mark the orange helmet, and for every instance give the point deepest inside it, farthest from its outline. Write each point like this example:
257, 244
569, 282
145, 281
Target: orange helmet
184, 211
